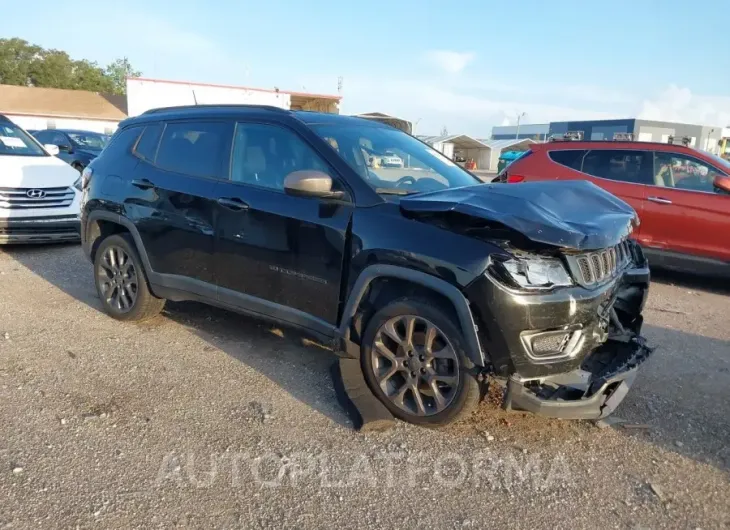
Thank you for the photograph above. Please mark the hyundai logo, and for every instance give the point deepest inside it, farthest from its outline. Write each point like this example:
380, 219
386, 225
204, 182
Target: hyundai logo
35, 194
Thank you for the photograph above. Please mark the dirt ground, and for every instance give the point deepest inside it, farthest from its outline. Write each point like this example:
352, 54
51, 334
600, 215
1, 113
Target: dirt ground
203, 418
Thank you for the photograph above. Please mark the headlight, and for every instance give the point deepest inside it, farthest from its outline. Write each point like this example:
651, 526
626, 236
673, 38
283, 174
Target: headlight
77, 184
535, 272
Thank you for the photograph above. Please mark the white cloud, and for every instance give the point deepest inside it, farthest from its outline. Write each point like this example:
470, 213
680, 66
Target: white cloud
449, 61
679, 104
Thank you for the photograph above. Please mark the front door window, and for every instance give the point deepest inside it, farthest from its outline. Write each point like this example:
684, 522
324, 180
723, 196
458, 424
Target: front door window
682, 172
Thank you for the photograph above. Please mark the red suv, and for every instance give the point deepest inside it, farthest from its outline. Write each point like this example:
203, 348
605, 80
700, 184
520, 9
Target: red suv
682, 195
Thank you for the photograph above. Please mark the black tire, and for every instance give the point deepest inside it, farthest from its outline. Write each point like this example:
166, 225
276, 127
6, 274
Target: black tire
463, 397
134, 300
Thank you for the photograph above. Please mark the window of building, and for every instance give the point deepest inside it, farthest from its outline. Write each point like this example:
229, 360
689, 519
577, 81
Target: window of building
195, 148
573, 158
263, 155
621, 165
682, 172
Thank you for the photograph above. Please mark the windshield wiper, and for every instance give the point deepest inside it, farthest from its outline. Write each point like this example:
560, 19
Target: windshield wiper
394, 191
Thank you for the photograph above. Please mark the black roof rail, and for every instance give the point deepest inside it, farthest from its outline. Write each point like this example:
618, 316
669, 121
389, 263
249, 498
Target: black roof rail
214, 105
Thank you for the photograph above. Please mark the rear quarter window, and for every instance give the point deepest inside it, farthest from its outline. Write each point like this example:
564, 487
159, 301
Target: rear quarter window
119, 148
572, 158
147, 145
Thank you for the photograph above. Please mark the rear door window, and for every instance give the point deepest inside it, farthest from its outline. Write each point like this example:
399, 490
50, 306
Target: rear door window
196, 148
634, 167
572, 158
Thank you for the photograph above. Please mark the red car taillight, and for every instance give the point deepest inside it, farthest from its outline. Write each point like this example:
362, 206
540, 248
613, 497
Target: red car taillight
511, 179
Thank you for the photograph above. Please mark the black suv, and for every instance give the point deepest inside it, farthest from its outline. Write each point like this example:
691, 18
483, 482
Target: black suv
431, 278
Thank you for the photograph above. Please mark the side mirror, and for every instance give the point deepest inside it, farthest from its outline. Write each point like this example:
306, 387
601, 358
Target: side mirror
723, 183
52, 149
65, 148
310, 183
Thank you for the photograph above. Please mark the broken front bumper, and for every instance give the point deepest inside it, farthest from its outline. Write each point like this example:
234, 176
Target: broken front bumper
591, 392
570, 353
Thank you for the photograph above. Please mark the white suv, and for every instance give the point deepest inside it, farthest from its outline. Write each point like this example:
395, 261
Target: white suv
39, 193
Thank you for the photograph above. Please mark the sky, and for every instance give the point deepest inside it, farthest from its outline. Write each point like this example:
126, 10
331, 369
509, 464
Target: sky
464, 65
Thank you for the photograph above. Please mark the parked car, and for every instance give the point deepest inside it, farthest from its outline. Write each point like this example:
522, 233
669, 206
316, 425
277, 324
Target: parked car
77, 148
507, 157
682, 195
39, 194
391, 160
433, 281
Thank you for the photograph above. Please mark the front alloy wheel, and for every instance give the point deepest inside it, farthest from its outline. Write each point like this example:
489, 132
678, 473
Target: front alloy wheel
117, 278
415, 365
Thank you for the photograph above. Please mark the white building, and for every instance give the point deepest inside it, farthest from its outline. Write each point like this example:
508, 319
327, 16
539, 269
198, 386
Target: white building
485, 153
145, 94
54, 108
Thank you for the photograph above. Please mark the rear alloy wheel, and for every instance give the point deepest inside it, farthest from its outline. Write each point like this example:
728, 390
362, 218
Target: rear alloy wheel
118, 282
121, 281
415, 364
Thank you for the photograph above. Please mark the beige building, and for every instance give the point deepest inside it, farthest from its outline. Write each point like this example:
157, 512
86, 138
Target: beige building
54, 108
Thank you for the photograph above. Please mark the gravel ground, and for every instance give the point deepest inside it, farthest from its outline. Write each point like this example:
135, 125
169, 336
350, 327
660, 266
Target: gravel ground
204, 418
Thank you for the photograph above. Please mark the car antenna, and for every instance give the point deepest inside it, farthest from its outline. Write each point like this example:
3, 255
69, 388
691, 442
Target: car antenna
195, 99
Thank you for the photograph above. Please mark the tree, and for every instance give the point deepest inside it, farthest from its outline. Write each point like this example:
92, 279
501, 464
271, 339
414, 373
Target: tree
25, 64
118, 72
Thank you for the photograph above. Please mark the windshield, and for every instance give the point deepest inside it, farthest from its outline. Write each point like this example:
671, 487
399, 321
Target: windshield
392, 161
15, 141
89, 140
724, 164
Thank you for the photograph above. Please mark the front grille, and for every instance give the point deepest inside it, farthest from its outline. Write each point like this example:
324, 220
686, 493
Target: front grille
33, 198
595, 267
38, 229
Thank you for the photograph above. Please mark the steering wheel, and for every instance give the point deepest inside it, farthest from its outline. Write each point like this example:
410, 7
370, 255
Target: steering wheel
403, 181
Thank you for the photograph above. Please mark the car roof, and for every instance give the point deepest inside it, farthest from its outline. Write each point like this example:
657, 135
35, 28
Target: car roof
75, 131
232, 111
609, 144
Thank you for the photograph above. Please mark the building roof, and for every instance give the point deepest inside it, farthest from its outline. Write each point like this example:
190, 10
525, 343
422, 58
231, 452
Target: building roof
306, 95
60, 103
504, 144
461, 140
398, 123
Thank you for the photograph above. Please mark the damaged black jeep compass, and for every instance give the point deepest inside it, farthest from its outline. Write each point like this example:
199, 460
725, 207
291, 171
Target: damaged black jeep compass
381, 247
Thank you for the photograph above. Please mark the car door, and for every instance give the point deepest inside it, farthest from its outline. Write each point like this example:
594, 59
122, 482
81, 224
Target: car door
276, 253
684, 212
623, 172
172, 200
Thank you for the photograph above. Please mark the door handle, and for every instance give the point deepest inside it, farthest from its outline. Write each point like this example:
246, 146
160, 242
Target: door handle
660, 200
234, 204
143, 184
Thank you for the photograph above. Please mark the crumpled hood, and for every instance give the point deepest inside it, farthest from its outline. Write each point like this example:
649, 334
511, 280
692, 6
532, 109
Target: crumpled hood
35, 172
575, 214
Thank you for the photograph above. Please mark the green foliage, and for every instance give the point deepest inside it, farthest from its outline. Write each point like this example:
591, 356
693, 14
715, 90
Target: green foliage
25, 64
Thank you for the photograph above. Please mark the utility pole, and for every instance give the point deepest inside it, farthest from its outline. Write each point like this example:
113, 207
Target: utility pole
519, 117
707, 146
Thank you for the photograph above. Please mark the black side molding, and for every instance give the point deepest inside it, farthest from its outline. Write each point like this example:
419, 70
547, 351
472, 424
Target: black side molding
457, 298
